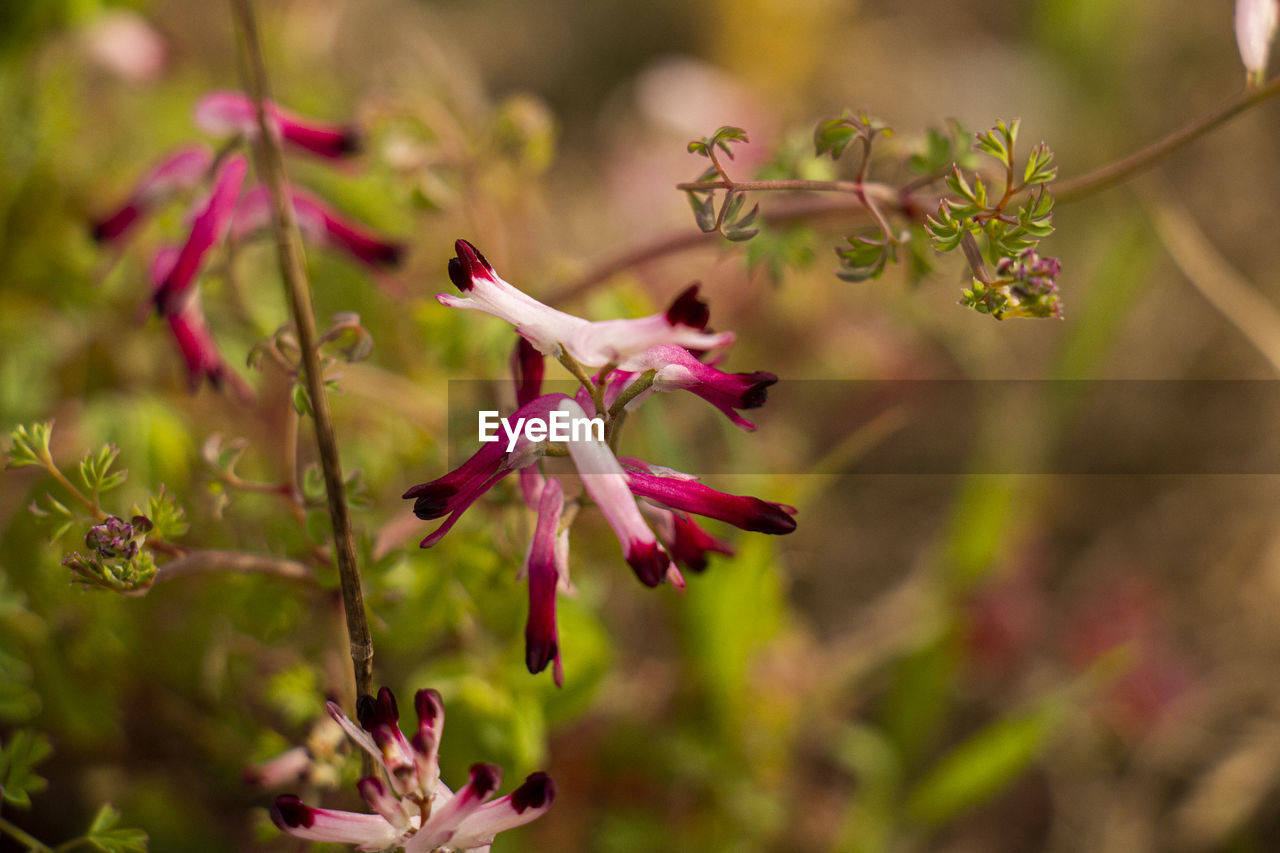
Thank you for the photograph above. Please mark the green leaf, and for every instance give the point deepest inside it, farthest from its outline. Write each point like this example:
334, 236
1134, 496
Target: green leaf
301, 402
704, 210
30, 444
18, 758
981, 767
1040, 168
935, 157
105, 835
833, 136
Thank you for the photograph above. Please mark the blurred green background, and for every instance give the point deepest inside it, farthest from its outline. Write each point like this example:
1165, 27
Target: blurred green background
952, 663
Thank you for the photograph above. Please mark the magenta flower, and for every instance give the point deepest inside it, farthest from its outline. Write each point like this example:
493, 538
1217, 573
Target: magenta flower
208, 228
593, 344
542, 564
528, 367
606, 483
677, 368
191, 333
453, 493
320, 224
687, 543
180, 170
683, 493
416, 812
229, 113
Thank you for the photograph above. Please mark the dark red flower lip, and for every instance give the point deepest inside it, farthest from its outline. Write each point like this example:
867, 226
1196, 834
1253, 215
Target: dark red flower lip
469, 264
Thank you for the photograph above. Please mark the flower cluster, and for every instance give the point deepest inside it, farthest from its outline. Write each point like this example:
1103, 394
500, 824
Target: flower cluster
228, 209
633, 358
117, 559
414, 810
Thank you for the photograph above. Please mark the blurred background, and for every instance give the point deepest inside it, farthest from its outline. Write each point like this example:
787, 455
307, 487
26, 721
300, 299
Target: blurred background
991, 657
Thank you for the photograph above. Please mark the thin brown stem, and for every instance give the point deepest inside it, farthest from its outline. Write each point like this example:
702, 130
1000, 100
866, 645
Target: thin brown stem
1113, 173
293, 271
879, 191
683, 239
234, 562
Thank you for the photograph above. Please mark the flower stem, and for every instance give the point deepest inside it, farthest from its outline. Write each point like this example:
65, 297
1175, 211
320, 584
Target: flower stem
293, 271
1113, 173
23, 837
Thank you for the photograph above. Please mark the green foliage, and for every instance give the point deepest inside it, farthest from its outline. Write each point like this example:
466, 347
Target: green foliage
29, 445
981, 767
724, 138
1031, 290
18, 759
834, 135
866, 257
105, 834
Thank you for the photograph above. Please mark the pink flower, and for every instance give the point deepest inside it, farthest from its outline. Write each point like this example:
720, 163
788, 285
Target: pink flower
319, 223
453, 493
677, 368
208, 228
192, 335
606, 483
229, 113
593, 344
684, 493
687, 543
416, 812
1255, 27
180, 170
528, 367
542, 564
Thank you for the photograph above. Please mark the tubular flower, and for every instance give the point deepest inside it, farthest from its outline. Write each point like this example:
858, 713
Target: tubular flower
319, 223
688, 544
595, 344
416, 812
528, 367
208, 228
229, 113
179, 171
453, 493
606, 483
191, 333
1255, 27
683, 493
541, 564
677, 368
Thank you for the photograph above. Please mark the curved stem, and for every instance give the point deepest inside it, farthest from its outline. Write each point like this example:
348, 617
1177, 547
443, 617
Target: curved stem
881, 192
293, 271
682, 239
23, 837
236, 562
1114, 173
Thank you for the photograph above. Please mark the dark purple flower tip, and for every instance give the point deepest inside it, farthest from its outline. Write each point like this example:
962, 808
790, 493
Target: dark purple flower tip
539, 650
289, 812
350, 141
469, 264
387, 712
688, 310
537, 791
366, 712
648, 561
485, 779
528, 367
114, 226
428, 703
141, 524
757, 392
431, 500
